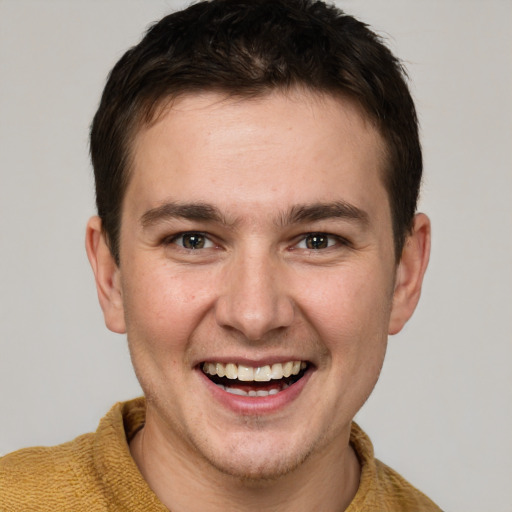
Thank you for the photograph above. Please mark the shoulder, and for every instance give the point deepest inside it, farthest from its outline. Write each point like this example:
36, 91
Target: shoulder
380, 487
44, 478
396, 491
93, 473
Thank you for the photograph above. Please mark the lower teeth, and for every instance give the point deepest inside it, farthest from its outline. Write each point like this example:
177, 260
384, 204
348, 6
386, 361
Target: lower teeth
252, 392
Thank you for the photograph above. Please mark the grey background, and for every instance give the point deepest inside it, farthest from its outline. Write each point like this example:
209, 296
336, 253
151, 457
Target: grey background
442, 411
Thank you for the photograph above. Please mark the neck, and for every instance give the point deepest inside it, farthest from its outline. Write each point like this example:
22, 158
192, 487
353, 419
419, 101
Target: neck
327, 480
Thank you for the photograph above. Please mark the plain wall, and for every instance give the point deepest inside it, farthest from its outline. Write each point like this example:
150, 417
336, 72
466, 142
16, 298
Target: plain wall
441, 413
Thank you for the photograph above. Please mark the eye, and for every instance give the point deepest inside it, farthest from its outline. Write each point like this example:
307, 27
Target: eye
316, 241
192, 241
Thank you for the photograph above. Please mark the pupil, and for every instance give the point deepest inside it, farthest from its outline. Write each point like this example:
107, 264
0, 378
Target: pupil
316, 242
193, 241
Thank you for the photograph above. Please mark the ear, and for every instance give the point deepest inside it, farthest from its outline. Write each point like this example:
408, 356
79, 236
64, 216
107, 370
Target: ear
410, 272
107, 275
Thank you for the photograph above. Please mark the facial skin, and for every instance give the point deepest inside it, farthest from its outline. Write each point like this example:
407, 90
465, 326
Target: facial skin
252, 183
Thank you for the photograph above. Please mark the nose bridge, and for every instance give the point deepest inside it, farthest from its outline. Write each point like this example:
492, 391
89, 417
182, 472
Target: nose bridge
254, 300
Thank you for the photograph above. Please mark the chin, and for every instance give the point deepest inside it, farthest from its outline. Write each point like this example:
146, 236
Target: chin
254, 461
253, 473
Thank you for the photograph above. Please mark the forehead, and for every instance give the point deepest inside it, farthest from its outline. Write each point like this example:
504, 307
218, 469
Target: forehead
288, 148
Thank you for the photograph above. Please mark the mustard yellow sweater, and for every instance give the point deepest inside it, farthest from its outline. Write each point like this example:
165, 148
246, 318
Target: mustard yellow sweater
95, 472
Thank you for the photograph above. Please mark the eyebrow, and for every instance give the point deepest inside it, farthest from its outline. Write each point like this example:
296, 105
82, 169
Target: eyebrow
324, 211
297, 214
191, 211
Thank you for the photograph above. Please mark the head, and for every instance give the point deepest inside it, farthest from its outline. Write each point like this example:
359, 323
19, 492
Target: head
257, 168
246, 49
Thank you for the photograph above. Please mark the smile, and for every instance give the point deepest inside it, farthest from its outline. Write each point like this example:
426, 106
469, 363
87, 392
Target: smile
243, 380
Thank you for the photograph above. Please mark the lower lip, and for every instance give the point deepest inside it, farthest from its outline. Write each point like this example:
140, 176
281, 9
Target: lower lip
256, 405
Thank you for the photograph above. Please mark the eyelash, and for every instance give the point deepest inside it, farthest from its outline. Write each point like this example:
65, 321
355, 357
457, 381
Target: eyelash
174, 239
331, 240
336, 241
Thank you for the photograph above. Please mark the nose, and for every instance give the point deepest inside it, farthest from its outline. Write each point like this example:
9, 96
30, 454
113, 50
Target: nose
253, 298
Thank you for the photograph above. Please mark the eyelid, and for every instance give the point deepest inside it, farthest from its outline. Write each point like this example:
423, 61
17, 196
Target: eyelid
338, 241
334, 240
172, 239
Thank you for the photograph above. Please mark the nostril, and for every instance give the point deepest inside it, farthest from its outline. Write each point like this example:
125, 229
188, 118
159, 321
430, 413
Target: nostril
254, 318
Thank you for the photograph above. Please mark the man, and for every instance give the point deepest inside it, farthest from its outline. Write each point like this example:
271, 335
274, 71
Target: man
257, 169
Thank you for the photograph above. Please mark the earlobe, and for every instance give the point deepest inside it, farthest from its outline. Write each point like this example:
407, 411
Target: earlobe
107, 276
409, 278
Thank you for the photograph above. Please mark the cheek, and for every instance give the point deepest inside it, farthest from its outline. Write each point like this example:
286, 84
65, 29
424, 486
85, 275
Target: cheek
163, 306
354, 294
350, 311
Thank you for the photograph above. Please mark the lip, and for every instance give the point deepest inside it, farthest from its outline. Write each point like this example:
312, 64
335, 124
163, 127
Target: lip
247, 405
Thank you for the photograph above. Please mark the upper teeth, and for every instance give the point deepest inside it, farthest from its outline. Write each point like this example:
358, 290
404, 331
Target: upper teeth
258, 374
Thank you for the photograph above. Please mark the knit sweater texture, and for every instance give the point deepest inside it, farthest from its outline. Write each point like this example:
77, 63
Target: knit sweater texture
96, 473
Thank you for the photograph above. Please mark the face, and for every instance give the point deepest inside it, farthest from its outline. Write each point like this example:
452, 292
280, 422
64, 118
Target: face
257, 277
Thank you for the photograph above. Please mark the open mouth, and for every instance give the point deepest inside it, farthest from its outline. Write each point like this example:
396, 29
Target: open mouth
260, 381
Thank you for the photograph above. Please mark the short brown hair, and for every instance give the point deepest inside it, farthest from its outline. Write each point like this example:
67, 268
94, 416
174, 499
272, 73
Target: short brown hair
248, 48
